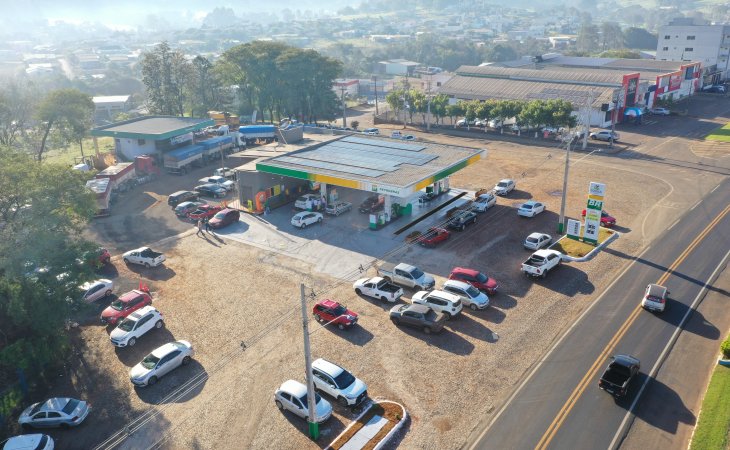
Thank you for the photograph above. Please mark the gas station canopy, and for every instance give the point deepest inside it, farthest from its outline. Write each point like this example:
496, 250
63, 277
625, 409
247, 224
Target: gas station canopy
382, 165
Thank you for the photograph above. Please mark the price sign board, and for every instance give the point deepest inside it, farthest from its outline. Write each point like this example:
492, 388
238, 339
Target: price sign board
594, 209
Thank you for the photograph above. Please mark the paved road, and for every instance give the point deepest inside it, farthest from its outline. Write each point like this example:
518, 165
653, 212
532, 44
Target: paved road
560, 405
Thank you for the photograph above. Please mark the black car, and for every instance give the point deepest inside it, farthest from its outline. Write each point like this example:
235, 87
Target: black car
371, 204
461, 220
211, 190
418, 316
181, 196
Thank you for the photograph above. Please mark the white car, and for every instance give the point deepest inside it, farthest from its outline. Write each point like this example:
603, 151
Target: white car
604, 135
221, 181
536, 241
160, 362
371, 131
60, 412
443, 302
135, 325
484, 202
29, 442
655, 298
94, 290
301, 202
379, 288
338, 383
504, 187
292, 396
144, 256
660, 111
530, 208
302, 219
470, 296
337, 208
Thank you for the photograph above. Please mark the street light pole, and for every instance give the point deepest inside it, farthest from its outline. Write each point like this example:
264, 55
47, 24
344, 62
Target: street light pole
344, 114
311, 395
375, 86
561, 221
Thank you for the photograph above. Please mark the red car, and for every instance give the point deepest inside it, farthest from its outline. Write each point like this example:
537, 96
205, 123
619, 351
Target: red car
330, 311
434, 236
606, 219
96, 258
124, 306
476, 278
204, 212
224, 218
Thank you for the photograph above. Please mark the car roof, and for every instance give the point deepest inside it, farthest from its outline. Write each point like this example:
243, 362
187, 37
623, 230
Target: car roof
530, 202
506, 180
457, 284
327, 303
180, 193
406, 267
293, 387
443, 295
141, 312
423, 309
89, 284
55, 404
165, 349
24, 442
465, 271
536, 235
130, 295
656, 290
327, 367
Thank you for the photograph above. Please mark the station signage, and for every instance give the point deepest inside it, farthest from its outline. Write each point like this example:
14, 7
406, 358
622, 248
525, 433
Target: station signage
594, 208
182, 138
392, 190
574, 229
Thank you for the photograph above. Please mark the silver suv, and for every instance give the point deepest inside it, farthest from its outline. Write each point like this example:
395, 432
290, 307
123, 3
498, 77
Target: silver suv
338, 383
135, 325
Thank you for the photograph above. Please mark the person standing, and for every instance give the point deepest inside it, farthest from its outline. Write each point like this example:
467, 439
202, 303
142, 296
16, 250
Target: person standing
200, 227
207, 225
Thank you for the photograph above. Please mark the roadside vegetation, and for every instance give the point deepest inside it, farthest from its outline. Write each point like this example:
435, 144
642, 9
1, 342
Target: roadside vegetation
721, 134
713, 428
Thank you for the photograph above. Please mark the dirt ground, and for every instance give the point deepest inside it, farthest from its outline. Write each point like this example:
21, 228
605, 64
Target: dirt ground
219, 293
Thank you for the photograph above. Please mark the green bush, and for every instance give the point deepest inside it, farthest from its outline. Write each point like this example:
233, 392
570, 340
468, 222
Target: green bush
725, 348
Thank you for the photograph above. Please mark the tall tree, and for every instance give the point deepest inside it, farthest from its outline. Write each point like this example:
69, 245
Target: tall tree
587, 39
204, 87
166, 74
640, 38
611, 36
68, 112
18, 100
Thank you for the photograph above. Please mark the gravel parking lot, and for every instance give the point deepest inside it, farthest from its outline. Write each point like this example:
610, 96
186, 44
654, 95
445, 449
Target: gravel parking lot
220, 291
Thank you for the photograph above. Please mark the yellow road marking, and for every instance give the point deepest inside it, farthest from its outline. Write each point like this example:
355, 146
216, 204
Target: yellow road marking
578, 391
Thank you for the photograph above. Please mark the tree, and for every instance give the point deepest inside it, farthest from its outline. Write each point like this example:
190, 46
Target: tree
611, 36
69, 112
204, 88
396, 100
456, 110
438, 106
43, 208
500, 53
640, 38
18, 100
165, 74
587, 39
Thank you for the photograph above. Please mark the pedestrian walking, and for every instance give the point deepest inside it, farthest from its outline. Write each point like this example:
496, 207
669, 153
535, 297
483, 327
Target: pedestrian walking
200, 227
207, 225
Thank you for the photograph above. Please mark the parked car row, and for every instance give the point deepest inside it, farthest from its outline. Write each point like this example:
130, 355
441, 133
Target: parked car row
186, 204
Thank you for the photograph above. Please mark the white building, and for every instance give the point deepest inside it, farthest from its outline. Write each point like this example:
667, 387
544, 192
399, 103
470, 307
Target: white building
687, 39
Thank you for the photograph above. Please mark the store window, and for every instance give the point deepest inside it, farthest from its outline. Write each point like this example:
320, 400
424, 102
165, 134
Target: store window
690, 38
688, 49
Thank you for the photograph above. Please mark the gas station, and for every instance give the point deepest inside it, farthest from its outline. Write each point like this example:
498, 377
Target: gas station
398, 172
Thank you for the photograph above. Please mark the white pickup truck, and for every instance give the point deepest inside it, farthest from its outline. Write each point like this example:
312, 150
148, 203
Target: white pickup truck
541, 262
407, 275
144, 256
379, 288
225, 172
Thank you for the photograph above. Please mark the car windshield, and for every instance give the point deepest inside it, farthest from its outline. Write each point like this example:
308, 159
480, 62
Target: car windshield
482, 278
179, 345
502, 184
302, 199
473, 292
416, 274
340, 310
220, 215
127, 325
531, 240
150, 361
118, 305
526, 206
71, 406
36, 408
344, 379
431, 315
303, 399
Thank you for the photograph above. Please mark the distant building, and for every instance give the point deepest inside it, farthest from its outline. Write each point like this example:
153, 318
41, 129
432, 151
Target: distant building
687, 39
107, 107
397, 67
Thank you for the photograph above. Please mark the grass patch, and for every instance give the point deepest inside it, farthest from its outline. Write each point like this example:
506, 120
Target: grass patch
713, 426
66, 155
721, 134
578, 249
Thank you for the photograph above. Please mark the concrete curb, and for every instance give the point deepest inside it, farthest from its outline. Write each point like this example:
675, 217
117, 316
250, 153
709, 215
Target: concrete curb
385, 438
593, 252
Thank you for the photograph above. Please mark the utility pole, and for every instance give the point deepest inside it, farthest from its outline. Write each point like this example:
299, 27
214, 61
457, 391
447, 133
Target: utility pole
311, 395
561, 221
375, 86
344, 114
618, 101
428, 107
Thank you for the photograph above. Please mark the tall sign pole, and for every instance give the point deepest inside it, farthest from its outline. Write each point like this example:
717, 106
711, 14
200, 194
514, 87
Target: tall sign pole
594, 209
561, 221
311, 395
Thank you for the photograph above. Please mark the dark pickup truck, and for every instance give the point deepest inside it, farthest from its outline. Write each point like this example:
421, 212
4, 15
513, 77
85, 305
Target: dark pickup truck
617, 376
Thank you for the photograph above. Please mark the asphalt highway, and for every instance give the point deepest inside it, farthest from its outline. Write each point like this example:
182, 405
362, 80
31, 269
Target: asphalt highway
559, 405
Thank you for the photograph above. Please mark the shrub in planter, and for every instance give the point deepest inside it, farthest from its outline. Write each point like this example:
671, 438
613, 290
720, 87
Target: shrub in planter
725, 348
